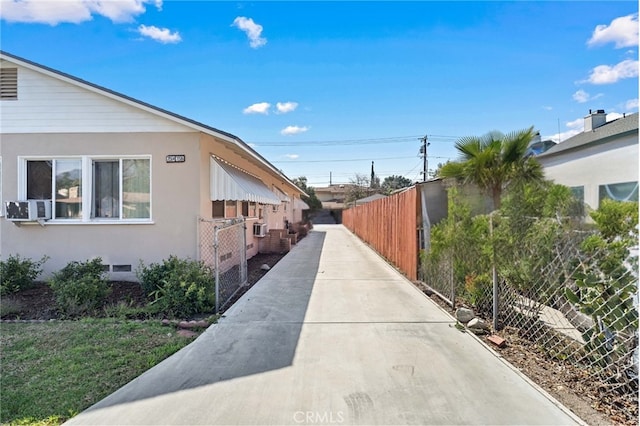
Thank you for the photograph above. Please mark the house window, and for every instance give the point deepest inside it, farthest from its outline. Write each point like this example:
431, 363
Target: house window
245, 208
217, 209
625, 191
230, 209
65, 190
578, 193
120, 188
8, 84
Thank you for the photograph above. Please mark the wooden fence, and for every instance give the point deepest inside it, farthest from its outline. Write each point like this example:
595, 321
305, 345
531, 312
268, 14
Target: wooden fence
390, 226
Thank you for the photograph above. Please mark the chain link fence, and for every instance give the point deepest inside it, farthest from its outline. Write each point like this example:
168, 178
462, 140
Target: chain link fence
222, 246
559, 287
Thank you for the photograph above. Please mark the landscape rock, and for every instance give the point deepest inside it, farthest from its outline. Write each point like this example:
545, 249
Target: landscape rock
186, 333
464, 315
193, 324
265, 267
478, 326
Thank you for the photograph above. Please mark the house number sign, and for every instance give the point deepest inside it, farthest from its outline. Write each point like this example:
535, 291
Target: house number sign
175, 158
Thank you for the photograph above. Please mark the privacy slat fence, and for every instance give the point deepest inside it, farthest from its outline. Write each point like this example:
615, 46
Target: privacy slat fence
390, 226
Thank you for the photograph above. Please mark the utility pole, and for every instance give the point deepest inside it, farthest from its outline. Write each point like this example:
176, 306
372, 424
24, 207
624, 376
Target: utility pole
423, 154
373, 176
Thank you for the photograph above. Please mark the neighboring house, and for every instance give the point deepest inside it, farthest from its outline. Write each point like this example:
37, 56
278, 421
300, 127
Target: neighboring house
537, 146
332, 196
601, 162
127, 181
369, 199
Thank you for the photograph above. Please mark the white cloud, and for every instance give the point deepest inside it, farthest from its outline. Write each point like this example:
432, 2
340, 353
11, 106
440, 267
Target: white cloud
547, 108
293, 130
259, 108
613, 116
577, 126
622, 31
72, 11
285, 107
631, 104
605, 74
581, 96
162, 35
253, 31
292, 156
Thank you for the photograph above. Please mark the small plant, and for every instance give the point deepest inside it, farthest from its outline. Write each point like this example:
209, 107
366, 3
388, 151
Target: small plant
178, 287
479, 291
17, 273
80, 287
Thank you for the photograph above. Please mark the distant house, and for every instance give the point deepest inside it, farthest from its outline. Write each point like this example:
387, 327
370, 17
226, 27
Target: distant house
601, 162
537, 146
333, 197
369, 199
108, 175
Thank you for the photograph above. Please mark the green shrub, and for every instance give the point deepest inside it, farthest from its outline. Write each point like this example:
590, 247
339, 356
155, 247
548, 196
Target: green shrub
479, 292
80, 287
17, 273
178, 287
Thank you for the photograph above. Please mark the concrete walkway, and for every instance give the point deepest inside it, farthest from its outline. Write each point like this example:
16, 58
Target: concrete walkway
331, 335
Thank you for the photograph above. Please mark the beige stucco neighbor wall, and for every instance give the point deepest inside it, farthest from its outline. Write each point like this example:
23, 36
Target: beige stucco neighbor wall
175, 191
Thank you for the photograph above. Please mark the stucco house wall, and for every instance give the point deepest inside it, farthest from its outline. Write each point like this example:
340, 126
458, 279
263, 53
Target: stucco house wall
605, 155
57, 117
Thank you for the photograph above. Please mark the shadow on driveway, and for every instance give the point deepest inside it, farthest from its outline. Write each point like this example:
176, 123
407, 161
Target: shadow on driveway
259, 333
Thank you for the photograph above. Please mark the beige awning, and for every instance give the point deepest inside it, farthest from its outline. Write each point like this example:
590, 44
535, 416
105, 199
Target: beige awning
230, 183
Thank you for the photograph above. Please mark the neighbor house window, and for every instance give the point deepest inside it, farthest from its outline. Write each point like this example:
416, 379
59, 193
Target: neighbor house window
625, 191
578, 193
116, 189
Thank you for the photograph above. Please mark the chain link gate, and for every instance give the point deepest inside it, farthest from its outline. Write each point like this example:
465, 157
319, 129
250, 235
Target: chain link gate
222, 247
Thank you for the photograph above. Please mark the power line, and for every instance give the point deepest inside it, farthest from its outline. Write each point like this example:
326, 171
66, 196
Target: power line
368, 141
351, 159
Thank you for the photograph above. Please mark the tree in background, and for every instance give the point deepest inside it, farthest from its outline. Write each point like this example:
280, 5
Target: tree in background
391, 183
312, 200
494, 161
360, 187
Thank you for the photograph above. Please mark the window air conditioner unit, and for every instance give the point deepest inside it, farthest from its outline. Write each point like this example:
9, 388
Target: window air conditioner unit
259, 229
28, 211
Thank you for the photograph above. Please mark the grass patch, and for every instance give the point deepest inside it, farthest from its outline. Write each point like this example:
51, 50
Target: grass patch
52, 371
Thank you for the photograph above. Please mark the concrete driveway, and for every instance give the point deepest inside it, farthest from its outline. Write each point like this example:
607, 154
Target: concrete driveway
331, 335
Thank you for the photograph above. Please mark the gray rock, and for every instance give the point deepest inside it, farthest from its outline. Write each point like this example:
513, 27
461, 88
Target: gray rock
464, 315
478, 326
265, 267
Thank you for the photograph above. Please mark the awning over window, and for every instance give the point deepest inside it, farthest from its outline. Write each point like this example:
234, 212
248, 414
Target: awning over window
300, 205
231, 183
281, 195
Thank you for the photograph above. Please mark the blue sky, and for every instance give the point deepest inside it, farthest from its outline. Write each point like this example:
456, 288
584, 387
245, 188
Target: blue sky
320, 87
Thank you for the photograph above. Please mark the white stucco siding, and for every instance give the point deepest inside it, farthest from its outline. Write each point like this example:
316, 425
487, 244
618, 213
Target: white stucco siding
599, 165
51, 105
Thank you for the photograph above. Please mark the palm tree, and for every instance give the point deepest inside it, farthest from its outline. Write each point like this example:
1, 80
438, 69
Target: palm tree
494, 161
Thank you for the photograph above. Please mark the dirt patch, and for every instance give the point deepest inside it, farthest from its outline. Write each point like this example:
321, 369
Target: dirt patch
570, 385
39, 303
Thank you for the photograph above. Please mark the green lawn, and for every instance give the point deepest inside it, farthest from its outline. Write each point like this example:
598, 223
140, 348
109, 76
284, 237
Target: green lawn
52, 371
